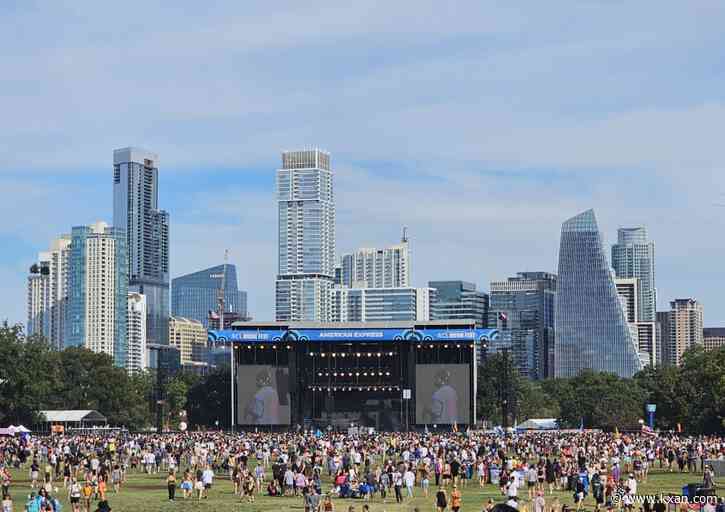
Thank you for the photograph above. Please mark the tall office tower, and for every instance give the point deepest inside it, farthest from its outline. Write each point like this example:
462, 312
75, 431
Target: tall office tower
190, 337
682, 328
713, 337
194, 295
522, 309
633, 256
38, 300
459, 300
98, 291
136, 332
306, 214
382, 304
644, 332
48, 280
136, 211
592, 331
377, 268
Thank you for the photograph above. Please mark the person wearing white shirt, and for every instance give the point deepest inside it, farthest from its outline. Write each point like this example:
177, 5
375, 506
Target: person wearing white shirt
409, 480
207, 478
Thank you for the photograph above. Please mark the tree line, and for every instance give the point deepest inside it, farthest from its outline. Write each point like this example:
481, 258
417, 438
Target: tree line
35, 377
690, 398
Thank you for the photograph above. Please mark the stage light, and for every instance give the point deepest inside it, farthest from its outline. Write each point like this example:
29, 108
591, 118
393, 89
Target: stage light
249, 346
445, 346
379, 354
261, 346
380, 374
334, 374
333, 354
358, 354
349, 374
322, 354
387, 374
342, 354
419, 345
369, 354
357, 374
319, 374
289, 347
274, 347
430, 346
458, 345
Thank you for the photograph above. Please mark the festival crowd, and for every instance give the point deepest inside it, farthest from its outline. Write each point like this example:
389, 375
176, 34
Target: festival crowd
599, 470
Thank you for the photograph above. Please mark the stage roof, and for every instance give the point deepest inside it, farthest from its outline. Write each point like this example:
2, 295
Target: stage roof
445, 331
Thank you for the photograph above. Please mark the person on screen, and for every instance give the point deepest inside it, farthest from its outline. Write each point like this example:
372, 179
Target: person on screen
263, 408
444, 402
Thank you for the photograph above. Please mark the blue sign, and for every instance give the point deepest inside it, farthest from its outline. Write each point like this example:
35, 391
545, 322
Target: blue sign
331, 334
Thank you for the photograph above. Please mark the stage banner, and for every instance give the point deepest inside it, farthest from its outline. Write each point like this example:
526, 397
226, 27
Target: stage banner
322, 335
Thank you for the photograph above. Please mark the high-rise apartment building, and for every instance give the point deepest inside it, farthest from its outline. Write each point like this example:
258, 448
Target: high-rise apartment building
382, 304
645, 332
306, 214
682, 328
592, 331
627, 289
38, 300
136, 332
98, 291
459, 300
522, 309
48, 292
713, 337
190, 337
387, 267
136, 211
194, 295
633, 256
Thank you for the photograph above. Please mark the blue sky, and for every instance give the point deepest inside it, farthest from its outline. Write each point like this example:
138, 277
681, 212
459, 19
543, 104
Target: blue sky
481, 126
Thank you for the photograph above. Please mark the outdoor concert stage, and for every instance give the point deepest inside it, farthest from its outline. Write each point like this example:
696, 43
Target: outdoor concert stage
389, 376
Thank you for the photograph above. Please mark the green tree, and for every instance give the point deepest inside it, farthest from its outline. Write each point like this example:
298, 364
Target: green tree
28, 375
208, 401
176, 399
702, 382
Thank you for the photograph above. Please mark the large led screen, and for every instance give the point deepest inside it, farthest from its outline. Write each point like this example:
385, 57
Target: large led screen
442, 394
263, 395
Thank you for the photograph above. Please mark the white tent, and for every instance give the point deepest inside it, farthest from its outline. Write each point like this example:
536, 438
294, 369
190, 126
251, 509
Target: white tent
538, 424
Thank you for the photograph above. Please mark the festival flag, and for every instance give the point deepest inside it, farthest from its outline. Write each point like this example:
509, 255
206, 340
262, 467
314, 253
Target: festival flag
646, 430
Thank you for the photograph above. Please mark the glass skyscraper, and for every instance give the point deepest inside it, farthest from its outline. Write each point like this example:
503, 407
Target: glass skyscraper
591, 323
194, 295
522, 309
633, 256
136, 211
459, 300
306, 214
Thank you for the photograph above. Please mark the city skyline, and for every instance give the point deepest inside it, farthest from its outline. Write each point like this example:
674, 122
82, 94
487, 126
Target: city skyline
603, 124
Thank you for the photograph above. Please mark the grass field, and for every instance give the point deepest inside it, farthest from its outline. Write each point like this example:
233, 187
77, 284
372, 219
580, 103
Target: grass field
148, 493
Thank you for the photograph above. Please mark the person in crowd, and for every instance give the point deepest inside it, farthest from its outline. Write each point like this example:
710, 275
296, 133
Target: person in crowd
441, 500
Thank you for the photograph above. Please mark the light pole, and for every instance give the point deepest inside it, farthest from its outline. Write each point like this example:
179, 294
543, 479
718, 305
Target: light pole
231, 352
